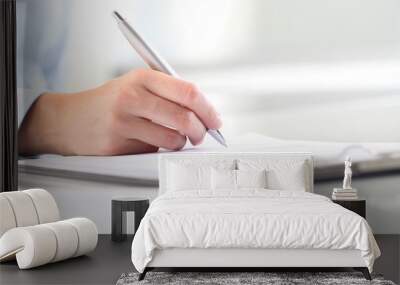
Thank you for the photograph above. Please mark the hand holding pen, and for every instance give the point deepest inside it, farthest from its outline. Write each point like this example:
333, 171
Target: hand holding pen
156, 62
139, 112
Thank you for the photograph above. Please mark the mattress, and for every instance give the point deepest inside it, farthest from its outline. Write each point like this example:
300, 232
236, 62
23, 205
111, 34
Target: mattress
251, 219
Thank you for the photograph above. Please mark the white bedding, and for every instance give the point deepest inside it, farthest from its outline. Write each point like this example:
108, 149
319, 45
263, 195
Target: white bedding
250, 219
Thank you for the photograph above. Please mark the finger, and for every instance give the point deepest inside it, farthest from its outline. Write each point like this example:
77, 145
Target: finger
148, 132
183, 93
167, 113
131, 146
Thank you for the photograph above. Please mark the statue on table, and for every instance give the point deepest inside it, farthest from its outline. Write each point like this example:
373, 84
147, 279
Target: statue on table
346, 192
347, 174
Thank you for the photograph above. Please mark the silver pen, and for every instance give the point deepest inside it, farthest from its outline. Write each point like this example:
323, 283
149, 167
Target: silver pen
154, 60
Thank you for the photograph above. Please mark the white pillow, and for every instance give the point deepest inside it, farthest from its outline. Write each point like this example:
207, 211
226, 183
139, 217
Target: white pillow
223, 179
251, 179
182, 177
282, 174
227, 179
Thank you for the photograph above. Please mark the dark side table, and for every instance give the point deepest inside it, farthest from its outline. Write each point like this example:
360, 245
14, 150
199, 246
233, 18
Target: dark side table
119, 207
357, 206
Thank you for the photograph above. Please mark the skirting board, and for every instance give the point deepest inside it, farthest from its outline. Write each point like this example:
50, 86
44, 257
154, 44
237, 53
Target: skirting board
231, 257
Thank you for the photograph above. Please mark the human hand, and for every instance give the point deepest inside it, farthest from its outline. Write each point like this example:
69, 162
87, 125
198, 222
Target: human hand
138, 112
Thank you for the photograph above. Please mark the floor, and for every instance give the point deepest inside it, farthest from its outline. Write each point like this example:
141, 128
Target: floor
110, 259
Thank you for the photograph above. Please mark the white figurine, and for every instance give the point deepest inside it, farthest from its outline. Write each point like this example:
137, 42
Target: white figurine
347, 174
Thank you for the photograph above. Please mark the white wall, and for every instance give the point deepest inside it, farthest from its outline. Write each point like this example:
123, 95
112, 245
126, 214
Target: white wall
310, 69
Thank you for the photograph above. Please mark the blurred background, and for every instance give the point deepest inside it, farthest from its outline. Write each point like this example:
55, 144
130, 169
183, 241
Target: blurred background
304, 70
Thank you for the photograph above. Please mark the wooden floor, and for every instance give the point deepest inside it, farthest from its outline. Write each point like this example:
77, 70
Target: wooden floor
110, 260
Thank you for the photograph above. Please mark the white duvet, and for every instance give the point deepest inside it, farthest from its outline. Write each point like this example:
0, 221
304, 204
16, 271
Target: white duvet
250, 219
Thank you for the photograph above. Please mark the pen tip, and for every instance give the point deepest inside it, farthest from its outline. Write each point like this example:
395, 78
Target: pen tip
222, 139
217, 136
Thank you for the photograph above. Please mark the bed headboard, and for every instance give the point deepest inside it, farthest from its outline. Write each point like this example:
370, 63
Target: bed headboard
233, 157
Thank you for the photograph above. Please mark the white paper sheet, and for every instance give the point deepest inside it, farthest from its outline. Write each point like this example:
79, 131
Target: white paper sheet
144, 166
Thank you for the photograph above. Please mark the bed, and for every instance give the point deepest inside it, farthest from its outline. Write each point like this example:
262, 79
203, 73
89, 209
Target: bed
245, 210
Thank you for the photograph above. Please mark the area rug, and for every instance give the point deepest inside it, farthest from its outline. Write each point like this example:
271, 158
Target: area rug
268, 278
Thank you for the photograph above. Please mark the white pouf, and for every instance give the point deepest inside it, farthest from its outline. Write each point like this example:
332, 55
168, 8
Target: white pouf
7, 220
31, 233
23, 208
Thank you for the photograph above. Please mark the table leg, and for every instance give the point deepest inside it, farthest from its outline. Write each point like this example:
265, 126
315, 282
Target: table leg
117, 222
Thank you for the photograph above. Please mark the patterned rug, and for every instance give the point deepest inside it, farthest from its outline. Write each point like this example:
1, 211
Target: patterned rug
268, 278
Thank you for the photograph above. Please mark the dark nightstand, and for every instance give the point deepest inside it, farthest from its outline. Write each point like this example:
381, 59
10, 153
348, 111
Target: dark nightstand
357, 206
119, 207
